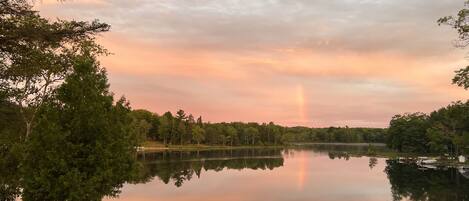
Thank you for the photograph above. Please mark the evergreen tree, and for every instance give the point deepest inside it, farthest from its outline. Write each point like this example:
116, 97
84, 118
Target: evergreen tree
82, 148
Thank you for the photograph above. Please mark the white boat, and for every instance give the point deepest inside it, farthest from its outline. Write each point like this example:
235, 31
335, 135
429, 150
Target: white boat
429, 161
462, 159
432, 167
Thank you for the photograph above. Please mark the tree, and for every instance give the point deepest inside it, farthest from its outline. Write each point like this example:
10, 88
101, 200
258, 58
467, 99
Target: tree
166, 127
252, 133
222, 139
232, 134
462, 78
273, 133
460, 22
82, 148
439, 140
11, 151
198, 134
288, 137
200, 122
181, 115
155, 124
211, 134
189, 126
181, 131
140, 129
36, 54
448, 125
141, 124
407, 133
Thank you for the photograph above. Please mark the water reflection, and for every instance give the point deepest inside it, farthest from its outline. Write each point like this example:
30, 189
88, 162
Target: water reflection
178, 167
411, 182
327, 173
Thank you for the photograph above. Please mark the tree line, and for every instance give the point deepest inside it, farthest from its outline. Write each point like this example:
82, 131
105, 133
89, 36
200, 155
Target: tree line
182, 129
443, 131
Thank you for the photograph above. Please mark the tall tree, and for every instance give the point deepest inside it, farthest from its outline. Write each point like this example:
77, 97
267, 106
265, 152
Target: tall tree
82, 149
141, 124
180, 128
252, 133
181, 131
200, 122
166, 127
140, 129
407, 133
232, 134
36, 54
181, 115
198, 134
190, 123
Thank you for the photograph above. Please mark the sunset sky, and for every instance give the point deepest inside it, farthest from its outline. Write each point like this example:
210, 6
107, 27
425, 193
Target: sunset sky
295, 62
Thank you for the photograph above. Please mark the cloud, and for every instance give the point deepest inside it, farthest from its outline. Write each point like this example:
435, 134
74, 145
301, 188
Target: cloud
357, 62
321, 25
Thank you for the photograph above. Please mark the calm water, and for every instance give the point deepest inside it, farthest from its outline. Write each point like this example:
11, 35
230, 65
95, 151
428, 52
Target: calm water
321, 173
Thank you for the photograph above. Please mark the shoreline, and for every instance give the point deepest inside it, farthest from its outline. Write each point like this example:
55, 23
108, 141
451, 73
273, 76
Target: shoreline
205, 148
340, 143
153, 147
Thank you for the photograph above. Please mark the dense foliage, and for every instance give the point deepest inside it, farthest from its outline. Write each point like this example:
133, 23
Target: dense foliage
181, 129
443, 131
37, 54
81, 141
10, 154
63, 137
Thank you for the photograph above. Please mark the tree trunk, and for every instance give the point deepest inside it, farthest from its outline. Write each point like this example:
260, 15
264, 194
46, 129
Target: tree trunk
268, 137
28, 130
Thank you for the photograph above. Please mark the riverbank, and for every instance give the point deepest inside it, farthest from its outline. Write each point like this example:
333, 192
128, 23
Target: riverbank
340, 143
152, 146
377, 150
157, 147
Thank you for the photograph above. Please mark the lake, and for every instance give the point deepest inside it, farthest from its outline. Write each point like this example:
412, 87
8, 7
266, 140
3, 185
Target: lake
319, 172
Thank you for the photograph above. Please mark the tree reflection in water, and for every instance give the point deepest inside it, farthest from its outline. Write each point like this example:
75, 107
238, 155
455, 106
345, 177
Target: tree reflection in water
408, 181
178, 167
411, 182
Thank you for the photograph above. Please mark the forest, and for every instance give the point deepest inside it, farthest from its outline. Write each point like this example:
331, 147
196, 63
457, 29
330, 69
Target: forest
444, 131
183, 129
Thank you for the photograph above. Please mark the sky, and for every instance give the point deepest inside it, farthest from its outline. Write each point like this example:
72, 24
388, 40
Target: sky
314, 63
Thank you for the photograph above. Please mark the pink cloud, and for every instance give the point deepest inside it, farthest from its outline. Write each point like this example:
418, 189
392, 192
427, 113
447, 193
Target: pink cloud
243, 65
